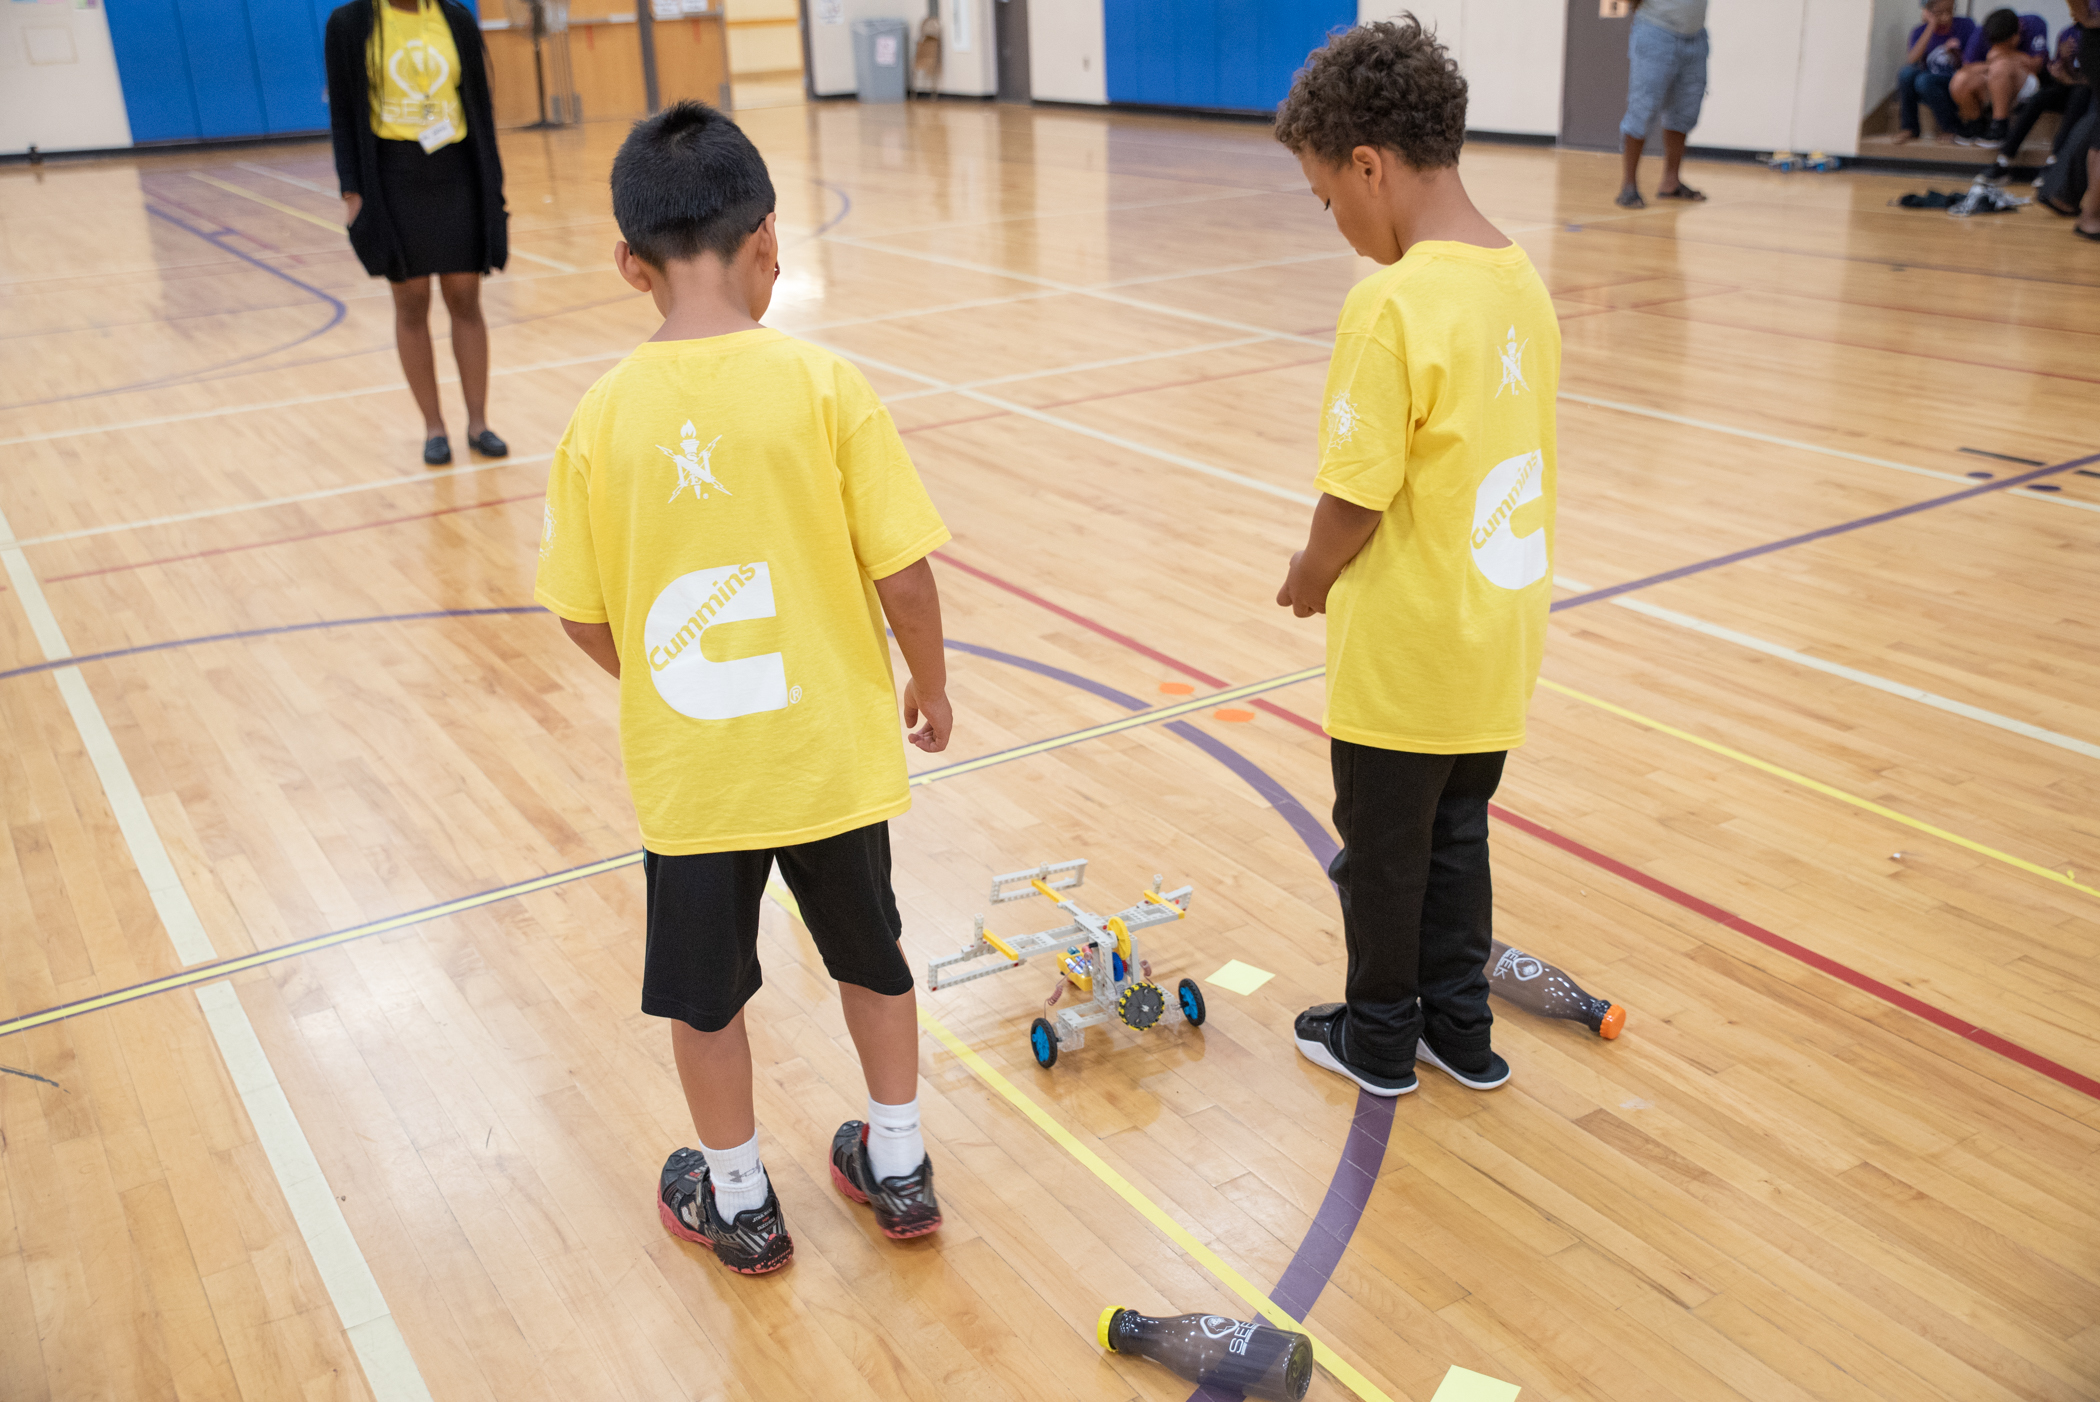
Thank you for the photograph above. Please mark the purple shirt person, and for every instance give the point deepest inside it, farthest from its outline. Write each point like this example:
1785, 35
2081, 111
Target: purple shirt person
2001, 66
2033, 41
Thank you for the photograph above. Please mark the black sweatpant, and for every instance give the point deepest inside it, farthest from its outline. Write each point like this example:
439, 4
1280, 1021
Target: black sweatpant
1417, 901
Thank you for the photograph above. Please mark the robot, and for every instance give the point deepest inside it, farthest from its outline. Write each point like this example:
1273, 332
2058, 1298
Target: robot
1098, 959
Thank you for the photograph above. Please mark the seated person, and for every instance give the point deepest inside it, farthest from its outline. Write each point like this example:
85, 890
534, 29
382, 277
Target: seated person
1930, 61
2001, 67
2062, 90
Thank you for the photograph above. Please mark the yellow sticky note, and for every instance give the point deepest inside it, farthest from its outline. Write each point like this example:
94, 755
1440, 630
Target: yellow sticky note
1236, 977
1463, 1385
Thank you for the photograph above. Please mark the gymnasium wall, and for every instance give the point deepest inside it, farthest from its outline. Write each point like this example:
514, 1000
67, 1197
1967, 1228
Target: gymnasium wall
1509, 50
1788, 74
1066, 45
58, 80
969, 66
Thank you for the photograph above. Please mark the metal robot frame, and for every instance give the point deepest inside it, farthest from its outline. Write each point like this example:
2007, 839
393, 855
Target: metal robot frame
1098, 958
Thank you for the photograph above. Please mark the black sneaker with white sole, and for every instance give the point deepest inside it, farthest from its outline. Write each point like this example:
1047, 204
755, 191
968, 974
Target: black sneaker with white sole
754, 1244
1485, 1073
1319, 1035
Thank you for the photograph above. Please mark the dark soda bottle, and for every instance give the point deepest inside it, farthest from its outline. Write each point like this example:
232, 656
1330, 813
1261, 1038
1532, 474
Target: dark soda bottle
1538, 987
1254, 1358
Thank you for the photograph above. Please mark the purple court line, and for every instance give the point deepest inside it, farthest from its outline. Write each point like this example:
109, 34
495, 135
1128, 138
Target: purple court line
1577, 600
1348, 1192
276, 631
216, 241
1313, 1264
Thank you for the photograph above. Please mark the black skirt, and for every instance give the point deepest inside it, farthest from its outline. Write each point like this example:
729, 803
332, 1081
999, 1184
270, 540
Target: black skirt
433, 201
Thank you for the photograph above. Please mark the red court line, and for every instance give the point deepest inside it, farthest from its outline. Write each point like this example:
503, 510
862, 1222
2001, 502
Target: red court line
1822, 963
291, 539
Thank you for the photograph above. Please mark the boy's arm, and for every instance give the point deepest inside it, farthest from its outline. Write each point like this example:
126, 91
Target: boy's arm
596, 640
912, 604
1339, 529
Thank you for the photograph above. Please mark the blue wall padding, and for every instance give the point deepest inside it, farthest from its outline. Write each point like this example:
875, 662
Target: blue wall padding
223, 79
294, 83
1214, 53
196, 69
147, 37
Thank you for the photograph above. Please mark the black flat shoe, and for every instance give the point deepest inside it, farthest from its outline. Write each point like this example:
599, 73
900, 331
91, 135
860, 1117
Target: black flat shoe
437, 450
488, 445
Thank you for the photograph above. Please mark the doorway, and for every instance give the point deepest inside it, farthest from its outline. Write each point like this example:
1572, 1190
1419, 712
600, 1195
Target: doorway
1593, 83
1010, 24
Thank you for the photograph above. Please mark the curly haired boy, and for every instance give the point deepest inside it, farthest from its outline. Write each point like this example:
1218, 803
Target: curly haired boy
1430, 550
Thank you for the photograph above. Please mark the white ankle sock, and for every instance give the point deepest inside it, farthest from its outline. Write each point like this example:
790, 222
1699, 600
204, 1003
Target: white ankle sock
738, 1176
895, 1146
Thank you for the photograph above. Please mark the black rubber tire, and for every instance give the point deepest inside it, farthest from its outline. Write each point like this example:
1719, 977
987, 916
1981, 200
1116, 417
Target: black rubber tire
1042, 1041
1192, 1003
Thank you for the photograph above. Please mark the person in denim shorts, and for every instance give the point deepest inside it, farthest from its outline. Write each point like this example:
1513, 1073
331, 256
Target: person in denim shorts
1668, 51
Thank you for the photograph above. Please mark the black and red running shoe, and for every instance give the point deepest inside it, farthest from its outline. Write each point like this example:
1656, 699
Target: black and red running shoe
755, 1243
904, 1207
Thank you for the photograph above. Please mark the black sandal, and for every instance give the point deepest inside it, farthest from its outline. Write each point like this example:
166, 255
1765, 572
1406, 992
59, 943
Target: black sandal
1682, 192
489, 445
437, 450
2095, 238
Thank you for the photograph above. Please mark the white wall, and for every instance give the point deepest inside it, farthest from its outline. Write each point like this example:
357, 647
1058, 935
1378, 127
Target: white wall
1891, 22
1066, 61
969, 49
966, 72
1509, 50
58, 80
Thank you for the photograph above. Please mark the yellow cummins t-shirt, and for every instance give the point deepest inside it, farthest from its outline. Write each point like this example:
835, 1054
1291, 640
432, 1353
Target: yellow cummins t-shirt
726, 504
1439, 413
418, 78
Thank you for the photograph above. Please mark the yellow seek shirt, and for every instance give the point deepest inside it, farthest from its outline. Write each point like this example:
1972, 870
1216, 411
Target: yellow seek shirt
727, 504
418, 76
1439, 413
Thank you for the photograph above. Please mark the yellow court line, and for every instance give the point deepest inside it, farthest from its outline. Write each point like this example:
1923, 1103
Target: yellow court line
1132, 721
222, 968
1827, 790
1151, 1211
332, 225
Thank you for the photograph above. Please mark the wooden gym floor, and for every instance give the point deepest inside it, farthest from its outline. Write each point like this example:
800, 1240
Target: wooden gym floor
1817, 796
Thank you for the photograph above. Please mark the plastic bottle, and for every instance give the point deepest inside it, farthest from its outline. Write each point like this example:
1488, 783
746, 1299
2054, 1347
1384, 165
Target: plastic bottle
1258, 1359
1538, 987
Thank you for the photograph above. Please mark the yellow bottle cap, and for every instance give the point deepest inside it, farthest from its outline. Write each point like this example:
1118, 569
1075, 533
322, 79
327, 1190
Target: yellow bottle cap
1101, 1330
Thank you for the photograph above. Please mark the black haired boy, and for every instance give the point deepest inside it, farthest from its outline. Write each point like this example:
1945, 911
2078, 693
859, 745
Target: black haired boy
730, 518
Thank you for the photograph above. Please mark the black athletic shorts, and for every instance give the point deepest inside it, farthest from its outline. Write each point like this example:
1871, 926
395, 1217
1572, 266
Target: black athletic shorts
702, 964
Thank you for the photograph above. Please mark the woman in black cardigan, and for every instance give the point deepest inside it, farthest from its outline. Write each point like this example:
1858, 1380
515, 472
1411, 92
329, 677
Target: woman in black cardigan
415, 156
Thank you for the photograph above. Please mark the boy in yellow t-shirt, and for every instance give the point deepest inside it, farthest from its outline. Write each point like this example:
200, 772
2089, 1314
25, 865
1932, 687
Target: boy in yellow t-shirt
1430, 551
730, 518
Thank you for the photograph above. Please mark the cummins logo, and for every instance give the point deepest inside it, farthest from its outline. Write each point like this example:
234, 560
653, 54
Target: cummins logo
675, 633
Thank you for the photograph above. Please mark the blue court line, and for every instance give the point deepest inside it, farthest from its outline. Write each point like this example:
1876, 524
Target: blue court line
216, 240
1823, 533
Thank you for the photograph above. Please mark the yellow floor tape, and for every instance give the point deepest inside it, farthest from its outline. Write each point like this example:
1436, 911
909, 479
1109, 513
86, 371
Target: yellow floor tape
1818, 786
332, 225
1132, 721
1151, 1211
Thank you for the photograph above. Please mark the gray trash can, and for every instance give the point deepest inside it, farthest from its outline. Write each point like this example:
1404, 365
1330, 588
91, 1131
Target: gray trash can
879, 59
